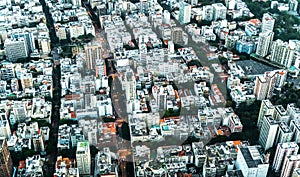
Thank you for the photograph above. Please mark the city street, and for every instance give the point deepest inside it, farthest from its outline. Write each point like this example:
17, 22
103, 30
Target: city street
117, 95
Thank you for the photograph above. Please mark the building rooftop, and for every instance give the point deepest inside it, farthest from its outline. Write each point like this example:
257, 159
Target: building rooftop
271, 120
280, 109
82, 146
268, 104
294, 108
252, 67
234, 173
288, 145
252, 156
284, 127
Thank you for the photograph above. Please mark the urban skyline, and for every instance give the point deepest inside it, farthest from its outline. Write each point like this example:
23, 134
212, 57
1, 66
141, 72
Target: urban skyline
144, 88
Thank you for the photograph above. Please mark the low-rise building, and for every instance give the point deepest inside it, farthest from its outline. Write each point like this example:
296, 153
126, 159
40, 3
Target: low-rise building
65, 167
106, 163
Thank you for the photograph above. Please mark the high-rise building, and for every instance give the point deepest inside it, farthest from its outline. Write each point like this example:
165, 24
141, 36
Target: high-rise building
83, 158
171, 47
284, 133
38, 143
100, 69
267, 23
283, 150
290, 163
129, 84
144, 6
33, 166
281, 78
104, 166
184, 12
293, 111
76, 29
293, 5
295, 127
9, 71
230, 4
4, 124
266, 108
27, 80
280, 114
16, 49
208, 13
76, 3
264, 86
282, 53
28, 37
177, 35
3, 85
264, 43
60, 31
19, 111
93, 55
45, 45
251, 162
5, 159
220, 11
268, 132
166, 17
230, 41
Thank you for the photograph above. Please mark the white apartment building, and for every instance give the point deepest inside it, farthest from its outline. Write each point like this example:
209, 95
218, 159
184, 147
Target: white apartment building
267, 22
184, 13
282, 53
251, 163
83, 158
283, 150
15, 49
290, 163
219, 11
268, 132
264, 43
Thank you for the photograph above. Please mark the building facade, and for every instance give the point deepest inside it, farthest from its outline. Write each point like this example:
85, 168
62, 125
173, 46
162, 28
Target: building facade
6, 165
264, 86
267, 22
264, 43
219, 11
282, 53
93, 55
283, 150
83, 158
268, 132
16, 49
290, 163
251, 163
266, 108
184, 13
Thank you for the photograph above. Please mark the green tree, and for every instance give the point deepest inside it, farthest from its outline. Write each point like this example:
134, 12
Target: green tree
17, 157
108, 119
93, 151
70, 153
223, 60
29, 152
67, 121
194, 63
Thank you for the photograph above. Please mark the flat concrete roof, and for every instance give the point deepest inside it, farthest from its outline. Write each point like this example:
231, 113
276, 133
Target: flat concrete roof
257, 68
